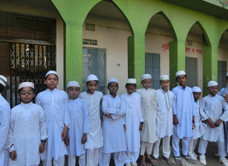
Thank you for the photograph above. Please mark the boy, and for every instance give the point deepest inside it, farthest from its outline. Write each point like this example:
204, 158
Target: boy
27, 133
54, 103
211, 110
112, 127
93, 99
164, 118
4, 122
224, 91
79, 125
183, 117
199, 127
131, 103
149, 114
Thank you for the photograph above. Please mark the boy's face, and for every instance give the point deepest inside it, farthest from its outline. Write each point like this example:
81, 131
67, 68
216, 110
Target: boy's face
213, 90
165, 84
196, 95
113, 88
146, 83
92, 86
51, 81
73, 92
182, 80
26, 95
130, 89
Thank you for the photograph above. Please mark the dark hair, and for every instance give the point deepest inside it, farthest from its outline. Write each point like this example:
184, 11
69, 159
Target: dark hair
1, 88
19, 91
91, 80
129, 84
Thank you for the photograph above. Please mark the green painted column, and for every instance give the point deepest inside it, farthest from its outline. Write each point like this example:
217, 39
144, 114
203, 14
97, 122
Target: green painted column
136, 56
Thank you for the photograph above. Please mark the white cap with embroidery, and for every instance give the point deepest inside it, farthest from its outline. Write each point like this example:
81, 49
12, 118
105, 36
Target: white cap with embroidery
91, 77
73, 83
26, 84
212, 83
113, 80
51, 72
164, 77
196, 89
131, 81
179, 73
146, 76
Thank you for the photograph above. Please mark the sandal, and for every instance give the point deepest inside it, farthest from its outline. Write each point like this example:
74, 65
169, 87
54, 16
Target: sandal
153, 162
178, 160
143, 163
188, 158
157, 161
168, 161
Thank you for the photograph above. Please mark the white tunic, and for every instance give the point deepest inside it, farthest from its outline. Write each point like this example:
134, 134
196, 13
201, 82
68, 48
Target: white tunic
112, 128
165, 113
79, 124
212, 107
132, 105
94, 137
27, 129
4, 126
54, 104
184, 110
149, 114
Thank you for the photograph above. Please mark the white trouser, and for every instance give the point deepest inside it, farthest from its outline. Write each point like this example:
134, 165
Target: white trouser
119, 158
146, 147
81, 160
221, 148
92, 157
176, 146
59, 162
165, 147
192, 146
132, 157
4, 157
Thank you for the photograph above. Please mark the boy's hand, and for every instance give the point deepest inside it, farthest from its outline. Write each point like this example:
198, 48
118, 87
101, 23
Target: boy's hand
64, 133
211, 123
140, 126
84, 138
42, 147
13, 155
67, 141
218, 122
175, 120
124, 126
108, 115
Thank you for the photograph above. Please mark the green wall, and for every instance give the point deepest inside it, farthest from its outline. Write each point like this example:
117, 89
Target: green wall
138, 13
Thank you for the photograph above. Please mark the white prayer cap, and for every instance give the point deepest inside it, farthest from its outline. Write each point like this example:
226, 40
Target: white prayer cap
196, 89
51, 72
91, 77
146, 76
26, 84
113, 80
212, 83
131, 81
73, 83
227, 74
179, 73
164, 77
3, 80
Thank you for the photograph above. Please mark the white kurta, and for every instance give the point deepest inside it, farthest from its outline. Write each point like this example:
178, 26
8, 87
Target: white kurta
149, 114
79, 124
94, 137
165, 113
184, 110
4, 128
112, 128
212, 107
27, 129
132, 105
54, 104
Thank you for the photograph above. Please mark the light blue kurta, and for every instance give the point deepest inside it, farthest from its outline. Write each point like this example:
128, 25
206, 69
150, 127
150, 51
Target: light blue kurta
183, 108
133, 117
113, 131
4, 128
27, 129
79, 124
54, 104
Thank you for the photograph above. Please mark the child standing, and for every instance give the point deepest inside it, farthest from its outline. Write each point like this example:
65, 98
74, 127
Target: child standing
164, 118
112, 127
79, 125
4, 123
54, 103
131, 103
199, 127
211, 110
27, 133
149, 114
93, 99
183, 117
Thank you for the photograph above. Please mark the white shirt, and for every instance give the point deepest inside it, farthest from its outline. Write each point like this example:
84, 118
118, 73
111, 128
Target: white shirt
27, 129
113, 131
165, 113
94, 137
149, 114
54, 104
